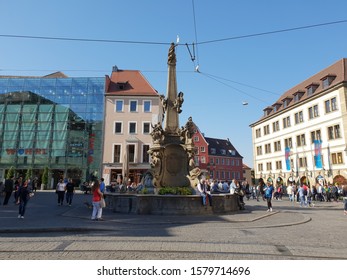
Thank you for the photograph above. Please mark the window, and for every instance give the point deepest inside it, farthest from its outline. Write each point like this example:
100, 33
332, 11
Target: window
119, 106
288, 142
133, 106
196, 138
147, 106
336, 158
298, 95
299, 117
266, 129
118, 127
277, 146
132, 127
202, 149
267, 148
116, 153
260, 167
315, 135
286, 122
302, 162
268, 166
275, 126
259, 151
279, 165
146, 128
203, 159
311, 89
213, 151
300, 140
223, 152
131, 153
330, 105
334, 132
313, 112
145, 155
328, 80
258, 133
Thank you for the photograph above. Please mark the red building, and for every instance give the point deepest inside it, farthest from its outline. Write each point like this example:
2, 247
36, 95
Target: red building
217, 158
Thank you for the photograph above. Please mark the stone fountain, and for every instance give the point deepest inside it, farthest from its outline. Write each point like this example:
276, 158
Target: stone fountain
172, 152
172, 161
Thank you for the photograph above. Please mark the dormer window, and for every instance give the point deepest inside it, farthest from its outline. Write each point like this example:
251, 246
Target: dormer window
122, 85
298, 95
311, 89
276, 106
327, 80
286, 102
267, 111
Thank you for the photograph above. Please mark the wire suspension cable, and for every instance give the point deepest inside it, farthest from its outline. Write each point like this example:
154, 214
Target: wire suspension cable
196, 34
82, 39
272, 32
241, 91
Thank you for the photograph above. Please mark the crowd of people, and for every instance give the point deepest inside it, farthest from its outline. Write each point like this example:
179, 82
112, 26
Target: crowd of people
267, 191
22, 191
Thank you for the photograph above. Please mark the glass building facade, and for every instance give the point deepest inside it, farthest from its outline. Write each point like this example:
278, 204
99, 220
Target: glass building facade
51, 122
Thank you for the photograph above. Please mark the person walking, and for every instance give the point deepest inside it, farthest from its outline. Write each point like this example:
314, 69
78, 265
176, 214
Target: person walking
70, 190
344, 194
97, 196
269, 189
302, 196
61, 191
8, 189
290, 192
23, 198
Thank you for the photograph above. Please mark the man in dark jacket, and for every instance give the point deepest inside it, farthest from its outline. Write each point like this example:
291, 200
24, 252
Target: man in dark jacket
8, 189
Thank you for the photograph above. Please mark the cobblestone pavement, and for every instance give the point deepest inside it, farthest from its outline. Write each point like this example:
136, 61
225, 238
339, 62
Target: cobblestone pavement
56, 232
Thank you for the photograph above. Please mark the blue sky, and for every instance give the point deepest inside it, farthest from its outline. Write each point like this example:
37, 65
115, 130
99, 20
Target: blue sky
255, 69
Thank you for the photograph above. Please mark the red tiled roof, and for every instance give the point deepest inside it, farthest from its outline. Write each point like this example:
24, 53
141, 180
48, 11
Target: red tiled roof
128, 82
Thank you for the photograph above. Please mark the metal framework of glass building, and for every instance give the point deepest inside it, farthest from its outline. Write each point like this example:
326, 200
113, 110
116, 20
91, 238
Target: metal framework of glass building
51, 122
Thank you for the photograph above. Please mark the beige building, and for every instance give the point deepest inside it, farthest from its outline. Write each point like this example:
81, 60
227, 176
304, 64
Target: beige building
302, 135
132, 106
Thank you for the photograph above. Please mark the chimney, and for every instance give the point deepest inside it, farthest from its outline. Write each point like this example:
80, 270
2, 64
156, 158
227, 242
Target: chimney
114, 68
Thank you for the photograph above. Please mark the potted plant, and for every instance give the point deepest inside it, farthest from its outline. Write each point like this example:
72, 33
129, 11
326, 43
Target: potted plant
10, 173
44, 180
29, 174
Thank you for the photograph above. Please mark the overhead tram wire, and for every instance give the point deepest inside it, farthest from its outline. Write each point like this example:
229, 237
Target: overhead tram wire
168, 43
196, 40
223, 83
242, 84
82, 39
273, 32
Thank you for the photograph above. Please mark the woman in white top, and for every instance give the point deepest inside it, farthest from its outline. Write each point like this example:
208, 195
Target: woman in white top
60, 190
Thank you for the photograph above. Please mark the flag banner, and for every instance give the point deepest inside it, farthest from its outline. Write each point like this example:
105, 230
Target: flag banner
287, 154
318, 153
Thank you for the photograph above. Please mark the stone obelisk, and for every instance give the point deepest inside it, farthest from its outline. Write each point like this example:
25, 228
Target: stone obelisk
173, 148
171, 120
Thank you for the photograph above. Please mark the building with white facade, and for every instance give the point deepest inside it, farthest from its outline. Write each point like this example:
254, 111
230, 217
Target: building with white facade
302, 136
132, 106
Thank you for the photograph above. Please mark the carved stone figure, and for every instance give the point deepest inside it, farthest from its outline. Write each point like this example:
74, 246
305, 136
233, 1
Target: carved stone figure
178, 102
163, 101
157, 133
172, 56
